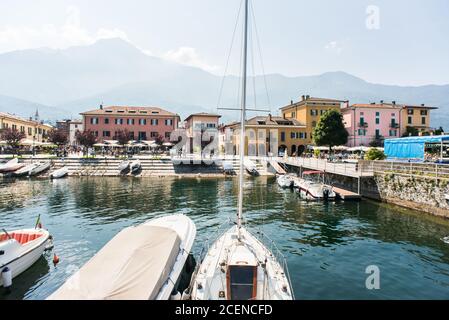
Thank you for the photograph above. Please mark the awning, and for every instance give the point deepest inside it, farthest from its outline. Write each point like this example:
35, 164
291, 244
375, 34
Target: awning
411, 147
134, 265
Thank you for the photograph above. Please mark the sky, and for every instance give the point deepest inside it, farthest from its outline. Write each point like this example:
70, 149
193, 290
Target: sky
401, 42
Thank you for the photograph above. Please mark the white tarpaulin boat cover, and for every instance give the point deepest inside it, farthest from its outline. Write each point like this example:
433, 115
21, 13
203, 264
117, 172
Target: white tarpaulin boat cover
134, 265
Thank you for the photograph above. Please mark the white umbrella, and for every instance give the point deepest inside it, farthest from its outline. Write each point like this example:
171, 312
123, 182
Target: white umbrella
168, 144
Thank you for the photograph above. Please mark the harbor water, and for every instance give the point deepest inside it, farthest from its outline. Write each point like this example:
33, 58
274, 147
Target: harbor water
328, 246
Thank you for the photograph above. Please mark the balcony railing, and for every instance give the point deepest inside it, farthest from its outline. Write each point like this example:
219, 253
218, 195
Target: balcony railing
363, 124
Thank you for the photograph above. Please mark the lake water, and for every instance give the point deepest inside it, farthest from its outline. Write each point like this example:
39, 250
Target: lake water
327, 246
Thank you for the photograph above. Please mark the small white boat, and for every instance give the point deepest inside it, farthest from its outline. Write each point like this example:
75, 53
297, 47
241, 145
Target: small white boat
286, 181
312, 189
446, 196
59, 173
141, 262
25, 171
228, 167
124, 165
21, 249
39, 168
250, 167
11, 166
135, 166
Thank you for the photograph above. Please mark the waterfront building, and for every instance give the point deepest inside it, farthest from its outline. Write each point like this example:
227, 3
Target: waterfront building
74, 127
143, 123
370, 122
196, 125
375, 122
268, 135
308, 112
33, 129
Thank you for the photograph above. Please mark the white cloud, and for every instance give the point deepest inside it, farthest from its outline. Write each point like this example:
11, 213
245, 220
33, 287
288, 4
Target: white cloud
188, 56
334, 46
71, 33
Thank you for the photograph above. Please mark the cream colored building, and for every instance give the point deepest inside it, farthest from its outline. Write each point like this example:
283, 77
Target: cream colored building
33, 130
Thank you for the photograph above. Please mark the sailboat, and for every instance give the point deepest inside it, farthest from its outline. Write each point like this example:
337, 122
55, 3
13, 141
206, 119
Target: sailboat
238, 266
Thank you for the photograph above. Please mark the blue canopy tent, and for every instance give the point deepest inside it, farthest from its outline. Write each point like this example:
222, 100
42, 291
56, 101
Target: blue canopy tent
412, 147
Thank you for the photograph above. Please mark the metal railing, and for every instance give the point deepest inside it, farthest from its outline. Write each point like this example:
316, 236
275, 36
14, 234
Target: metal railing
425, 170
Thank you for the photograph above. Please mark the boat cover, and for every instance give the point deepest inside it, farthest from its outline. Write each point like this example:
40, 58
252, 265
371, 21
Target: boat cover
134, 265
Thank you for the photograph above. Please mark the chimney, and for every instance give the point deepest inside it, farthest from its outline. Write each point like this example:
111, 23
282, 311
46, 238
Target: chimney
307, 97
394, 103
423, 104
269, 116
303, 97
381, 102
291, 101
101, 106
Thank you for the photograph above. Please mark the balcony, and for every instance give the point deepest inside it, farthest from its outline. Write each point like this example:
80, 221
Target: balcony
394, 125
363, 124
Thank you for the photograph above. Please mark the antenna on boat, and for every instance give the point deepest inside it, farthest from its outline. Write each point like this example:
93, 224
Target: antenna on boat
242, 122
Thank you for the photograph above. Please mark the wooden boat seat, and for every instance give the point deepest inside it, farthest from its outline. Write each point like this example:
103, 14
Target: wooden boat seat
22, 238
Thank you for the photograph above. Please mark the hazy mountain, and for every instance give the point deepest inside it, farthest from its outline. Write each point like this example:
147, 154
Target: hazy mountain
115, 72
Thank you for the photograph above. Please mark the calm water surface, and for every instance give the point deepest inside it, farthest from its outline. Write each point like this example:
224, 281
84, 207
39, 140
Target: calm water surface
327, 246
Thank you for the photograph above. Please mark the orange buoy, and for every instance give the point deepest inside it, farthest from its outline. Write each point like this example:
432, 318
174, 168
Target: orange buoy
55, 259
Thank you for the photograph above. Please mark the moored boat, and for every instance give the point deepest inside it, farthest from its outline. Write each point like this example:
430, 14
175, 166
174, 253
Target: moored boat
124, 165
24, 171
21, 249
39, 168
59, 173
135, 166
285, 181
144, 262
251, 167
311, 188
11, 166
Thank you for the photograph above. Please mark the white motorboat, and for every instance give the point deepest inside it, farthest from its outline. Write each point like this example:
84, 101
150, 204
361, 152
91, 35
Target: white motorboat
237, 266
25, 171
11, 166
286, 181
124, 165
135, 166
20, 249
312, 189
39, 168
59, 173
250, 167
143, 262
228, 168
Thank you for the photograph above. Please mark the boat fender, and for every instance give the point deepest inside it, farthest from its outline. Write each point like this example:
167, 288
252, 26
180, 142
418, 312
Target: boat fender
6, 277
176, 296
55, 259
326, 194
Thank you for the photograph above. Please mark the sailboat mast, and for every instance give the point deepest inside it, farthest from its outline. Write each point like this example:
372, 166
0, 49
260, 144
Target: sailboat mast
242, 121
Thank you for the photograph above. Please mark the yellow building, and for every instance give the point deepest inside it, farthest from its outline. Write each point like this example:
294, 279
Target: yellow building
308, 112
268, 135
417, 117
33, 130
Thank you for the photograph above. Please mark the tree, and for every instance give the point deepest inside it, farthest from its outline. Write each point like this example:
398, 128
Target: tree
330, 130
159, 140
375, 154
122, 137
86, 138
58, 136
12, 137
377, 142
439, 131
411, 131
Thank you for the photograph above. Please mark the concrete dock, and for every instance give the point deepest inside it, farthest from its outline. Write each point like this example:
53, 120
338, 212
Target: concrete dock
346, 194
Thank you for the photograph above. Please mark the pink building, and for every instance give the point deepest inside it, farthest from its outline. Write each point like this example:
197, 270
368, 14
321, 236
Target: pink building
143, 123
368, 122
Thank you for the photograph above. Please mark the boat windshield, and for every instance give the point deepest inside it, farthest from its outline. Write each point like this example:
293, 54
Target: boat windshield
242, 282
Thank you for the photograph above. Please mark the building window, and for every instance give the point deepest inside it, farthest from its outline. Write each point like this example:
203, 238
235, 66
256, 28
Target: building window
282, 136
305, 135
167, 135
142, 122
106, 121
313, 112
393, 133
377, 120
293, 114
106, 133
292, 135
377, 133
211, 125
410, 111
130, 121
361, 132
30, 131
118, 121
154, 122
142, 135
169, 122
424, 112
93, 120
154, 134
409, 120
313, 124
423, 120
131, 135
377, 114
362, 121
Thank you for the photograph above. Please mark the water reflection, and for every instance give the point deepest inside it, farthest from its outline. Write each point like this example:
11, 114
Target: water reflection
328, 246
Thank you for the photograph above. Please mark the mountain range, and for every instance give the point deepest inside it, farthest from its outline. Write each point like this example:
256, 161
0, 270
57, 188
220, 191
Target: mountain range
63, 83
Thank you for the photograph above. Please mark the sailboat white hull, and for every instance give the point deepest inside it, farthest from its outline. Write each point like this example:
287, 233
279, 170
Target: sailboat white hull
211, 280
